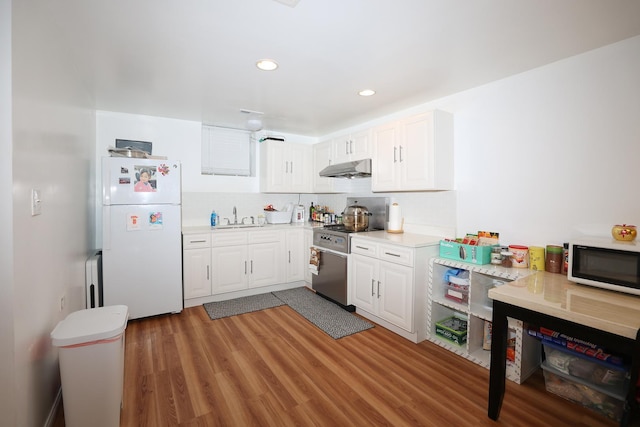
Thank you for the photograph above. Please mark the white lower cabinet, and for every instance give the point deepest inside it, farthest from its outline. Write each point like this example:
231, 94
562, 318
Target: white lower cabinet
295, 254
388, 285
475, 307
242, 260
306, 253
196, 265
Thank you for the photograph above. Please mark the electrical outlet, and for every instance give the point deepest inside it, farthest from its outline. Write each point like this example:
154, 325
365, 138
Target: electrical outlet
62, 303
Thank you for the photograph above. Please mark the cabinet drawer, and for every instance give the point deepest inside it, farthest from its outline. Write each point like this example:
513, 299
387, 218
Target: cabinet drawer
364, 247
232, 238
196, 241
264, 236
396, 254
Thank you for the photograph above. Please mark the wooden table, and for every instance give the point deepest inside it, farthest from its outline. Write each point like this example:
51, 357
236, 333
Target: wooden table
609, 319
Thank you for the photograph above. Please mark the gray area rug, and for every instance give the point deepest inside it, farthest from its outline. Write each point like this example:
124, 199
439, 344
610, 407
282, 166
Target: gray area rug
233, 307
327, 316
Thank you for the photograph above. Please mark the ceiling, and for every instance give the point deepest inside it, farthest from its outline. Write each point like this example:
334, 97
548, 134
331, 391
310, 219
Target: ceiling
195, 59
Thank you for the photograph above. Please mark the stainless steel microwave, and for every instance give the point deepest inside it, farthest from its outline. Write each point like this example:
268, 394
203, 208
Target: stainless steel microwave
605, 263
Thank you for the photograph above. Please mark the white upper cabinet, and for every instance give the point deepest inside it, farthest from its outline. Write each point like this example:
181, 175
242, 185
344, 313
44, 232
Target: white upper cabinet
414, 153
355, 146
322, 153
285, 167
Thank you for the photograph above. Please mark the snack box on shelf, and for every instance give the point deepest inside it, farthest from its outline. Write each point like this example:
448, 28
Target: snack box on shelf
453, 329
467, 253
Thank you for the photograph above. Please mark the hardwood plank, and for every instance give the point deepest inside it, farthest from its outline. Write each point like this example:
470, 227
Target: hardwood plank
274, 368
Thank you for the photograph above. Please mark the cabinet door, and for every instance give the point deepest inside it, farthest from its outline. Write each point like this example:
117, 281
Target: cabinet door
273, 167
322, 159
264, 264
340, 149
385, 166
196, 270
229, 269
396, 295
360, 145
363, 282
298, 168
416, 154
295, 255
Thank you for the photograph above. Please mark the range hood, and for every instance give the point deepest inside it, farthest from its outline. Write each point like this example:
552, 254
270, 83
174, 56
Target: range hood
356, 169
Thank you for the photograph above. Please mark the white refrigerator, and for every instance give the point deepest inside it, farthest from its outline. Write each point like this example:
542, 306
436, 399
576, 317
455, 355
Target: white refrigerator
141, 235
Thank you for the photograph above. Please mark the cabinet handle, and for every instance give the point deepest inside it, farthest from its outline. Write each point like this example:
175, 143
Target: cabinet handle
245, 268
207, 272
373, 284
289, 257
378, 289
346, 147
390, 254
251, 266
395, 157
401, 154
351, 147
197, 241
291, 169
362, 247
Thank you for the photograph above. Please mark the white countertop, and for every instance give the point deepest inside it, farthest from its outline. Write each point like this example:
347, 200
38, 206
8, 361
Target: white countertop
209, 229
556, 296
412, 240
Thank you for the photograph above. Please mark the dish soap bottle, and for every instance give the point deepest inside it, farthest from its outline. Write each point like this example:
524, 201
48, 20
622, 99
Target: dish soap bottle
214, 218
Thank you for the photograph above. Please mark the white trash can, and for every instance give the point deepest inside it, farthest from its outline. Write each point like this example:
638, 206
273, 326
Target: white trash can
91, 352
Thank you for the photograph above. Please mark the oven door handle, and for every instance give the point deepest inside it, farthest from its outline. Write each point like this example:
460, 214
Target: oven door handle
329, 251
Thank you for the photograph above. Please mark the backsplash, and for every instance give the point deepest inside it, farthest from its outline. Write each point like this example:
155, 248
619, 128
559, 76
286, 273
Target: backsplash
423, 212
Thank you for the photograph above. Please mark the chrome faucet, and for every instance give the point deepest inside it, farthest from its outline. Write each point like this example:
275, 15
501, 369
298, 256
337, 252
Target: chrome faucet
235, 216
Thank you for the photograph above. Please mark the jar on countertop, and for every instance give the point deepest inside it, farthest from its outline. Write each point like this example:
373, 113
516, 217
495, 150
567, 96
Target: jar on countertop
506, 258
520, 257
496, 255
555, 259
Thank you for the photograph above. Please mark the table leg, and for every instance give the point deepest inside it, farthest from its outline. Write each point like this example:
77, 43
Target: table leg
499, 335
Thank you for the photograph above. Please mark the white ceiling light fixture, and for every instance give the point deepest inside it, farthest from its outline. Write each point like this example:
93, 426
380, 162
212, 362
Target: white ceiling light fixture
267, 64
367, 92
254, 122
290, 3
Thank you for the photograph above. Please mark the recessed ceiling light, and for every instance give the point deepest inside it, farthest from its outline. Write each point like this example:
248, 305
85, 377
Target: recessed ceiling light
366, 92
267, 64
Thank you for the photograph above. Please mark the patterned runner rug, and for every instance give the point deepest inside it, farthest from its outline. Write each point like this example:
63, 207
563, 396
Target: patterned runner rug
327, 316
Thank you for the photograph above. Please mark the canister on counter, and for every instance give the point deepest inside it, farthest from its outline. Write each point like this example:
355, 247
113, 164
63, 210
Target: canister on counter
536, 258
496, 255
506, 258
520, 257
555, 259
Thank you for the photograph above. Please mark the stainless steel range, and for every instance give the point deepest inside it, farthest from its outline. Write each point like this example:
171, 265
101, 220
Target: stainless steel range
334, 244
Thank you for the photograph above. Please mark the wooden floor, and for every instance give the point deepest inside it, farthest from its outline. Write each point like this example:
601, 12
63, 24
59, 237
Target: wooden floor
274, 368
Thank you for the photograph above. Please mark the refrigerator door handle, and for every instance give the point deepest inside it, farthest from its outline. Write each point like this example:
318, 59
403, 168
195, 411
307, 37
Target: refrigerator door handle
106, 229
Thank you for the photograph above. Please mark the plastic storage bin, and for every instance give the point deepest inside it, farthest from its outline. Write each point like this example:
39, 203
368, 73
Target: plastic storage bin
91, 353
453, 329
457, 290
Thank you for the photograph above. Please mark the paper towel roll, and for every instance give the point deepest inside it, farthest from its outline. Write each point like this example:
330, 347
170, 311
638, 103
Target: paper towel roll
395, 217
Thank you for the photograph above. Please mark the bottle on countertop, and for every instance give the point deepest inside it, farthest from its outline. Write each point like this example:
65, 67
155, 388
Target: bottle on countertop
312, 211
214, 218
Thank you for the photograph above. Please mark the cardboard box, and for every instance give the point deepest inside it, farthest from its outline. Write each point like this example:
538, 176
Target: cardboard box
466, 253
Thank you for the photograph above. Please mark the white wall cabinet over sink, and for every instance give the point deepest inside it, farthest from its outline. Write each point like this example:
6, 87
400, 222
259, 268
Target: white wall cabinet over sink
285, 167
414, 153
387, 283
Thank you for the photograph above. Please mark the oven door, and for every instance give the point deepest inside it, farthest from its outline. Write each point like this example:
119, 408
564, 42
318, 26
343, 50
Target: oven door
331, 280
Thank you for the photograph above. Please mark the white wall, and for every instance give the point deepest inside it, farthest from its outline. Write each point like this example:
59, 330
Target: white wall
552, 153
7, 375
53, 148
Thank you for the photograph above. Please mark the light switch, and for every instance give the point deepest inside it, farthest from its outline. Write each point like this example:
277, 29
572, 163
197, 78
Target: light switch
36, 203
